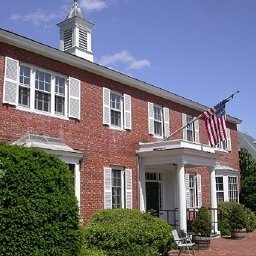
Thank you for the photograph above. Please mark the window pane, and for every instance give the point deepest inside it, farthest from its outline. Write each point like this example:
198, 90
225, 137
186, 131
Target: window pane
232, 189
60, 85
24, 96
59, 105
25, 76
42, 101
116, 189
190, 129
158, 121
43, 81
115, 118
158, 128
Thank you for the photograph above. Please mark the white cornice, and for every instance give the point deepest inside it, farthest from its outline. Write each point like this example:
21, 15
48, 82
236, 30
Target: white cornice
53, 53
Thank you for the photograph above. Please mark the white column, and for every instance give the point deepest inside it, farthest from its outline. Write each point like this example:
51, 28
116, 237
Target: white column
214, 201
182, 197
142, 187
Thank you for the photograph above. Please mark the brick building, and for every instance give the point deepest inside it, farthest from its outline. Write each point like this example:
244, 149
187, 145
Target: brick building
111, 129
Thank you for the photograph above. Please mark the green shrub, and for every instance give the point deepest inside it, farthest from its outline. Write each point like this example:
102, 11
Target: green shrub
123, 232
38, 207
237, 218
202, 223
250, 220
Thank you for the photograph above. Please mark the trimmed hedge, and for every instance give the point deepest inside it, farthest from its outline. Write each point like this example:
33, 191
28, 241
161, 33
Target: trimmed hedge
123, 232
38, 207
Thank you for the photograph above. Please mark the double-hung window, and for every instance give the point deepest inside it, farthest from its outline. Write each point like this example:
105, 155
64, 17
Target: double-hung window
41, 91
219, 188
193, 190
232, 189
226, 144
191, 131
116, 110
158, 120
117, 188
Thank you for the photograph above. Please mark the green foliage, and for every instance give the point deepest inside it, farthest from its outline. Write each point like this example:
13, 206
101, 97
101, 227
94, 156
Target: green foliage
123, 232
247, 163
234, 215
88, 252
202, 223
38, 207
248, 180
237, 218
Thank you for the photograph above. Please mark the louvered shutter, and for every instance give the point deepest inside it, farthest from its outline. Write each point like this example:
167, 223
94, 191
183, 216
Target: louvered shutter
184, 122
166, 112
199, 190
150, 118
229, 148
74, 97
127, 112
196, 125
11, 81
128, 188
187, 190
107, 188
106, 106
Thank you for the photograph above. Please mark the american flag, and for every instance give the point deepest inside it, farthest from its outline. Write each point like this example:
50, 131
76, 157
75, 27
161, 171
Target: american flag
215, 121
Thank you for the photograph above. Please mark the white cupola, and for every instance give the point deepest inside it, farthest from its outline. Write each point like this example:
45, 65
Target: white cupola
76, 34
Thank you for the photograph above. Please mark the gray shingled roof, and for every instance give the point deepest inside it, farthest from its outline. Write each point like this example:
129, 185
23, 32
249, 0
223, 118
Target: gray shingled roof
248, 142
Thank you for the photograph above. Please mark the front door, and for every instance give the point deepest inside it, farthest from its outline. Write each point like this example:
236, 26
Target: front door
153, 196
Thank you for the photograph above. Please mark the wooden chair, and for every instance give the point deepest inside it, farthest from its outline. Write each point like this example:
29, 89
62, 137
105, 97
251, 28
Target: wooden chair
183, 243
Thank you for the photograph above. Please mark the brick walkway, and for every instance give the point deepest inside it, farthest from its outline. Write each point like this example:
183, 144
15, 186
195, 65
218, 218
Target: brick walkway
228, 247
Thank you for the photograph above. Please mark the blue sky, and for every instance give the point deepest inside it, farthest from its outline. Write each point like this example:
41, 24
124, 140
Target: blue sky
203, 50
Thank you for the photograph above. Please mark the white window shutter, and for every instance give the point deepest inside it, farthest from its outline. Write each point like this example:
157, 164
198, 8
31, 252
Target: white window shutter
150, 118
127, 112
107, 188
166, 113
11, 81
229, 147
128, 188
199, 190
106, 106
187, 190
184, 122
196, 125
74, 97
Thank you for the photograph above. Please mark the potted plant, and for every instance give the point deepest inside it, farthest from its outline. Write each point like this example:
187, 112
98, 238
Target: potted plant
237, 221
201, 227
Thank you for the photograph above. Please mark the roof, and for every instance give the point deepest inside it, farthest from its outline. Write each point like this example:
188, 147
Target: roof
248, 142
47, 143
75, 61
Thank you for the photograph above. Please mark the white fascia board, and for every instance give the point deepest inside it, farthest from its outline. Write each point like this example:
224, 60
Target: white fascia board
53, 53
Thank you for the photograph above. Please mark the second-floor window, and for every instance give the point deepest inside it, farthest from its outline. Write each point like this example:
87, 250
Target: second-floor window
191, 132
116, 110
226, 144
41, 91
158, 120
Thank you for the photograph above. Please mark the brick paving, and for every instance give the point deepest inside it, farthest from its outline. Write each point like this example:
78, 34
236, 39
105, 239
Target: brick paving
227, 247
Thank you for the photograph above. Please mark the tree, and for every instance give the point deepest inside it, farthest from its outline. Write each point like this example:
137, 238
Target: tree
248, 180
38, 207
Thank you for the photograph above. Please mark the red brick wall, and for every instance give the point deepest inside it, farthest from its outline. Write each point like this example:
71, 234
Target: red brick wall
102, 146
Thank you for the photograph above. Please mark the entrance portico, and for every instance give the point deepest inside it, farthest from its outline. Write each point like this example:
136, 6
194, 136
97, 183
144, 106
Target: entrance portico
170, 159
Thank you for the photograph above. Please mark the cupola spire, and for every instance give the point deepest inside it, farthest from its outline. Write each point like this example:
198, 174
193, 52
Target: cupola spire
76, 33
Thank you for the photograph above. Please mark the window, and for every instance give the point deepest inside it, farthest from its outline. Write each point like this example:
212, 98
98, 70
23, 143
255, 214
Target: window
226, 186
232, 189
193, 191
226, 144
191, 131
219, 189
116, 110
158, 120
36, 90
117, 188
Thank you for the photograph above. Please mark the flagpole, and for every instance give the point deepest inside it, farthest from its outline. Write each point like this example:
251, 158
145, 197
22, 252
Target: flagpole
196, 118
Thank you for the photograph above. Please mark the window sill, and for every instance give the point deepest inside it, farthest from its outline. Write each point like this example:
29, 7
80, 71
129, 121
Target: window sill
38, 112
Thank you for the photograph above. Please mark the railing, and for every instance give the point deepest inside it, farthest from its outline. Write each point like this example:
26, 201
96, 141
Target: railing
171, 216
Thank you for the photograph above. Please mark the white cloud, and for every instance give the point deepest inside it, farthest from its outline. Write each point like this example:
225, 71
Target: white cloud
126, 58
37, 17
93, 5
